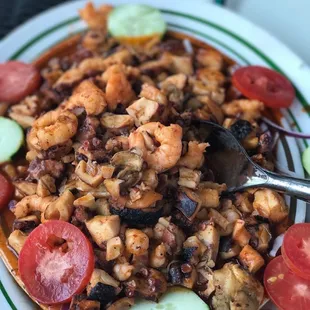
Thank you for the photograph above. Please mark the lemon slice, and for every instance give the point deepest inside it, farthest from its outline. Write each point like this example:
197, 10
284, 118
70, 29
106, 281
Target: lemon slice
136, 23
176, 298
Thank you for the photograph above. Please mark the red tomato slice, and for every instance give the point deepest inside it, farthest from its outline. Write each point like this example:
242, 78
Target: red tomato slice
287, 290
264, 84
17, 80
56, 262
296, 249
6, 191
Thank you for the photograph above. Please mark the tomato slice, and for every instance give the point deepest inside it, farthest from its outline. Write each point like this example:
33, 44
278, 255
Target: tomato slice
6, 191
296, 249
264, 84
286, 289
17, 80
56, 262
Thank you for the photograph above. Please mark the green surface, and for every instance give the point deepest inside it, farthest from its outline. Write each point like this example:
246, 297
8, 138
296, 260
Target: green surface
176, 298
306, 159
11, 138
135, 20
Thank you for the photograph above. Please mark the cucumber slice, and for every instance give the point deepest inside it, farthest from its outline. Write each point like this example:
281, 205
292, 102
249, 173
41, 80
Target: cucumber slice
11, 138
306, 159
135, 20
176, 298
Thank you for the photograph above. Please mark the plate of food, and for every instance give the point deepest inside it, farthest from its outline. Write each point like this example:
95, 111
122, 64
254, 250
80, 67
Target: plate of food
108, 196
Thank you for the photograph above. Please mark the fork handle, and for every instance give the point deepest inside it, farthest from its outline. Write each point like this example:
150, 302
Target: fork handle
298, 188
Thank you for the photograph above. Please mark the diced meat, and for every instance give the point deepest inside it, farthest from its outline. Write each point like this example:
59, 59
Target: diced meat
39, 168
88, 129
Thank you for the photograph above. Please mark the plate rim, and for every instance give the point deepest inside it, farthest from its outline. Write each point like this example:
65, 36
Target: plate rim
64, 6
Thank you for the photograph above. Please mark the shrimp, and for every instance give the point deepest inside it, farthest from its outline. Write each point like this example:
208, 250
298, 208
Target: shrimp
95, 18
31, 204
53, 128
118, 91
167, 154
194, 158
88, 96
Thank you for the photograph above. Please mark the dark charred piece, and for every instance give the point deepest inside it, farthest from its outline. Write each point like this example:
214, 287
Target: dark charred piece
188, 253
26, 224
240, 129
175, 274
102, 293
148, 216
187, 205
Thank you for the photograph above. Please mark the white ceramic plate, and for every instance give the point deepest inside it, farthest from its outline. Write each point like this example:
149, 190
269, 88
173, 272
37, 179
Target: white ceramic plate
231, 34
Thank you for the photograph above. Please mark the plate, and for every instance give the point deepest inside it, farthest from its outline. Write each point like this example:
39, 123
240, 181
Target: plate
234, 36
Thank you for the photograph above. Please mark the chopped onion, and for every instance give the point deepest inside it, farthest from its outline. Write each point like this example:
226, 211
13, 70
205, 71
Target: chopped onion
287, 132
188, 46
276, 245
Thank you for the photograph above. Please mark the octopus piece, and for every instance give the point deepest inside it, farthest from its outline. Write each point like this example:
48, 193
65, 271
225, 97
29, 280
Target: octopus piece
270, 205
178, 80
130, 72
53, 128
194, 157
211, 77
89, 97
236, 289
167, 154
210, 58
16, 240
99, 64
248, 110
69, 79
152, 93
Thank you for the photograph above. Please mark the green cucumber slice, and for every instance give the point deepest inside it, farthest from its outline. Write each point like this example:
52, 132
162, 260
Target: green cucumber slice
11, 138
176, 298
135, 20
306, 159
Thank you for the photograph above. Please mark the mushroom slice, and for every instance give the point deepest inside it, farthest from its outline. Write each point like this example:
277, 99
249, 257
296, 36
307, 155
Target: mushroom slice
25, 188
189, 203
189, 178
89, 173
26, 223
16, 240
143, 111
127, 159
116, 121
